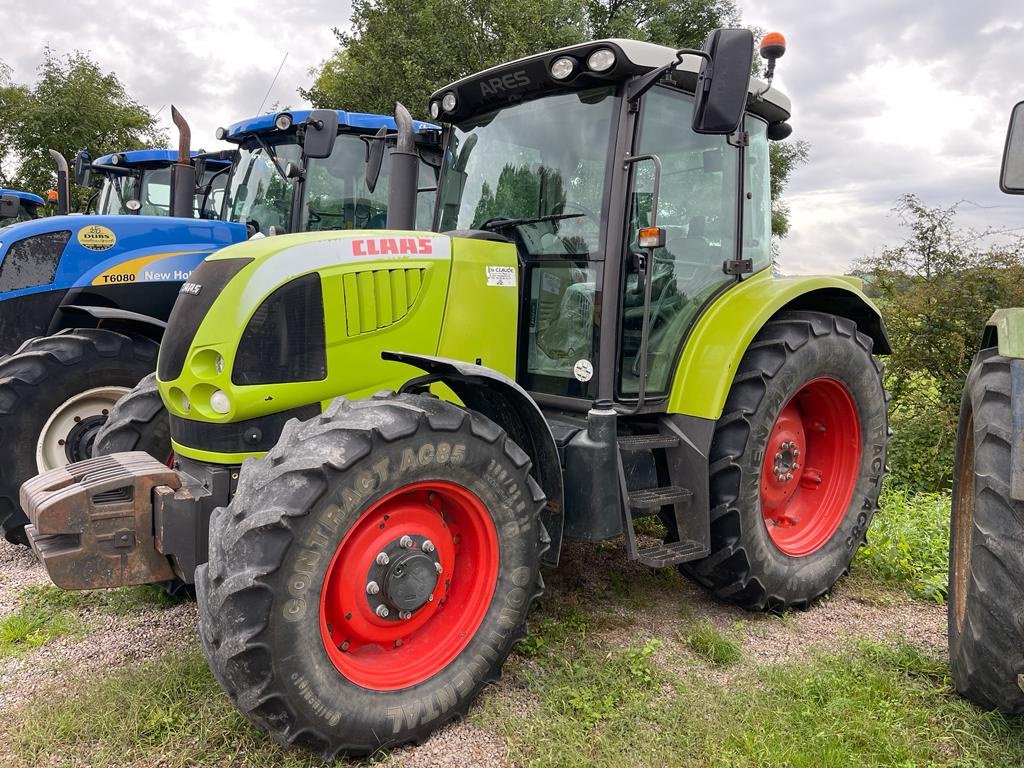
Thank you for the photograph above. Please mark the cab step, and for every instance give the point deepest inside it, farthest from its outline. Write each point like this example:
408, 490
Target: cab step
647, 501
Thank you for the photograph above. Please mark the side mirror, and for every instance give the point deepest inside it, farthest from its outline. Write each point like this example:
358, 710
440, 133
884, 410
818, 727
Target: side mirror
374, 158
83, 168
9, 206
723, 82
1011, 176
321, 131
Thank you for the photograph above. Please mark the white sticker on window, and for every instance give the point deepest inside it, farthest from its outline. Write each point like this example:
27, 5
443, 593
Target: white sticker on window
583, 370
503, 277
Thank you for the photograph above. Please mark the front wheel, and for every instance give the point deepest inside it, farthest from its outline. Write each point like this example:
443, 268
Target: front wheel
55, 394
372, 573
986, 543
796, 463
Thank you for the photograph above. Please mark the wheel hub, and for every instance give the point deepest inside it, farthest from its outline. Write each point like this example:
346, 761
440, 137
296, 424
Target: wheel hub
403, 577
78, 444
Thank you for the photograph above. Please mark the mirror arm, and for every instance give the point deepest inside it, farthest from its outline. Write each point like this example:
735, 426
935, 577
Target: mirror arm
639, 87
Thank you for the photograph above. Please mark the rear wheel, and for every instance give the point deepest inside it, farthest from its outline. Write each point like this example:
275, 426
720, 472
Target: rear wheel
55, 394
372, 573
796, 463
986, 545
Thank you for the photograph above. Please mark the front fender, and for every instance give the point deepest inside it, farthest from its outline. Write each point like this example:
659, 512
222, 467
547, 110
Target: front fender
724, 331
1005, 330
509, 406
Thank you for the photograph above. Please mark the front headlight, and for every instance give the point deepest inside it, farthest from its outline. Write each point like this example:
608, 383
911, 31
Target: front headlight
220, 402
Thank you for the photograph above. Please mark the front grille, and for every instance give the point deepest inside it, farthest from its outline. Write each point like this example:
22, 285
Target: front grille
190, 309
32, 261
285, 338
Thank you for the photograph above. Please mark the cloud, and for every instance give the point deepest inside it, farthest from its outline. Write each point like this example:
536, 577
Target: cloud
894, 97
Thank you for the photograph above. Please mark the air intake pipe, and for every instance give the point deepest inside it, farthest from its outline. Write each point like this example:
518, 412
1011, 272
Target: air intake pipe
405, 166
183, 172
63, 183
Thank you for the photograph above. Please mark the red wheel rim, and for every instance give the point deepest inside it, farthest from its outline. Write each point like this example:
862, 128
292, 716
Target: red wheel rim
398, 650
811, 465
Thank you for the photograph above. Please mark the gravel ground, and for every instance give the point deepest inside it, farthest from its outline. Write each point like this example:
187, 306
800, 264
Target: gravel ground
629, 603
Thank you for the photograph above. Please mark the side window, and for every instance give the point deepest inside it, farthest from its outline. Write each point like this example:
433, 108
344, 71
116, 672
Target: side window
32, 261
697, 210
757, 208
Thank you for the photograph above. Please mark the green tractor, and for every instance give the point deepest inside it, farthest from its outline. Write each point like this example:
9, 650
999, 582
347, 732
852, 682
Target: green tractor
986, 547
381, 437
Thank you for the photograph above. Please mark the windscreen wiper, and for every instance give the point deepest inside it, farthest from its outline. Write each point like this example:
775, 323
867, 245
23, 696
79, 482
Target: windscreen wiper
497, 224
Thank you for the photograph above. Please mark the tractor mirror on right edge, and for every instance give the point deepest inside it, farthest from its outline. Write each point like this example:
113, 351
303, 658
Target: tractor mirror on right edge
986, 543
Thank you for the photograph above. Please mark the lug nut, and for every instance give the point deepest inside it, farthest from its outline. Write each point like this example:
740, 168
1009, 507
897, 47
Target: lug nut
405, 615
405, 542
373, 588
796, 453
438, 568
383, 559
382, 611
344, 646
428, 546
778, 456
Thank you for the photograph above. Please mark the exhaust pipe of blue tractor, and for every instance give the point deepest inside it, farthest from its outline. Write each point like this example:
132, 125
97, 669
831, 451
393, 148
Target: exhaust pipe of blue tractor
405, 166
63, 183
183, 172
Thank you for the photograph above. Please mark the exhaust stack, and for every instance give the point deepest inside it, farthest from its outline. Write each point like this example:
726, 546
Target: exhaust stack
405, 166
183, 172
63, 183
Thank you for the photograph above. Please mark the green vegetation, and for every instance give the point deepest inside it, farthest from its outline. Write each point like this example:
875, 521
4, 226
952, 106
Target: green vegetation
714, 647
936, 289
73, 105
47, 612
169, 712
876, 705
908, 543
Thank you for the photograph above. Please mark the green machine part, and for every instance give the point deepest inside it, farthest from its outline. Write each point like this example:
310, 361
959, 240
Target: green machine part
403, 291
1005, 330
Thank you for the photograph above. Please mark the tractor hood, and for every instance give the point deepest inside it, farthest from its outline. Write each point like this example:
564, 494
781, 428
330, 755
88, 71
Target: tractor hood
271, 328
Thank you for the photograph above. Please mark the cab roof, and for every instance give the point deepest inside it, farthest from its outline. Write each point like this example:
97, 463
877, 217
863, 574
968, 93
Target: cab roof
135, 157
634, 57
28, 197
348, 122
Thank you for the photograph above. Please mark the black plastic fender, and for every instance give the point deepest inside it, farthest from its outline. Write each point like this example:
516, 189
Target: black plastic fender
508, 405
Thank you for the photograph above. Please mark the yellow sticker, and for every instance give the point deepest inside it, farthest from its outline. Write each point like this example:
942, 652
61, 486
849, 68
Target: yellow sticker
96, 238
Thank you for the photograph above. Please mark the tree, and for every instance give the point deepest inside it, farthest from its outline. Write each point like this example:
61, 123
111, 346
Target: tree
73, 105
936, 290
401, 50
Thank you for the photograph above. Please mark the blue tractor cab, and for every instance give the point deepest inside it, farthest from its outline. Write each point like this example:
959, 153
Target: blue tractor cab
138, 182
18, 206
84, 299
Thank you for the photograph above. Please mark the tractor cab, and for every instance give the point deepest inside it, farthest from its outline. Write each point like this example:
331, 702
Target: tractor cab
139, 182
303, 171
576, 212
18, 206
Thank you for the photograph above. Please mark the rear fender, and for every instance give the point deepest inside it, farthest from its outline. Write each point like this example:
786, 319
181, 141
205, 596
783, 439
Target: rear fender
508, 405
1005, 330
722, 334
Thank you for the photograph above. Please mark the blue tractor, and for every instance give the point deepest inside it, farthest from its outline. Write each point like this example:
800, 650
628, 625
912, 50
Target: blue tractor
84, 300
138, 182
18, 206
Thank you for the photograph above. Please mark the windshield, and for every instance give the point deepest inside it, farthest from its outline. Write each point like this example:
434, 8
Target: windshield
337, 196
521, 171
257, 194
151, 188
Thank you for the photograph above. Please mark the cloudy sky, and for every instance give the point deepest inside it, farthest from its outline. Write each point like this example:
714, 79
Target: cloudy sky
894, 96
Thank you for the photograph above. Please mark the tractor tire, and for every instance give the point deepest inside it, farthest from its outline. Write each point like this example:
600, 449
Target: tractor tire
137, 422
796, 463
55, 393
986, 545
304, 616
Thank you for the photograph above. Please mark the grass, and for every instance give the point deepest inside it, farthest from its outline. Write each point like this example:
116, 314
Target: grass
168, 712
713, 646
875, 705
47, 612
908, 543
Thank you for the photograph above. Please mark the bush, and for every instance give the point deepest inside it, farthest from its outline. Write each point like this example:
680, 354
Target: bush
908, 542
